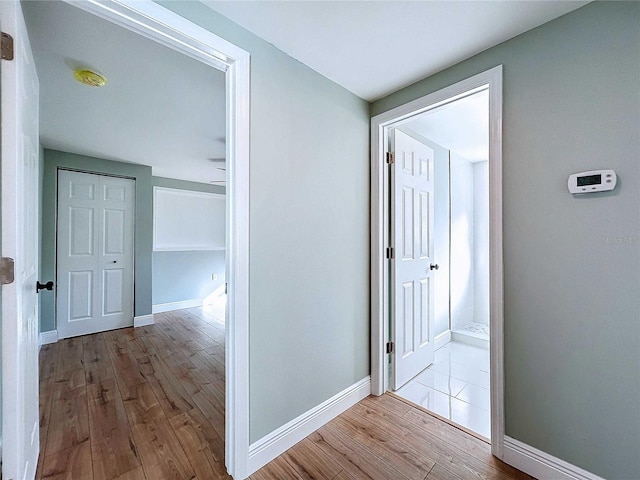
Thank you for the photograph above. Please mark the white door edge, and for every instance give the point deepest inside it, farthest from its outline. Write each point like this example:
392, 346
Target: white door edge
380, 125
153, 21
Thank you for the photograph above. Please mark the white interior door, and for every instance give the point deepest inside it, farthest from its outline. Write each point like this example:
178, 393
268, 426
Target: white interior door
94, 253
412, 274
20, 163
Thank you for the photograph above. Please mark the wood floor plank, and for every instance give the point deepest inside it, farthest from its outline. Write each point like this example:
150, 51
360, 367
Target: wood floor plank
125, 365
355, 459
96, 359
69, 358
343, 475
211, 407
443, 453
202, 444
69, 422
149, 404
395, 451
278, 469
144, 412
310, 463
113, 451
136, 474
467, 443
69, 464
141, 346
163, 456
169, 391
48, 359
67, 382
440, 473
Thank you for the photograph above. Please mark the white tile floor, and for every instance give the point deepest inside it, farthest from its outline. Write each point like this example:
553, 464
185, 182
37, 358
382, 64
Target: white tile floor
455, 386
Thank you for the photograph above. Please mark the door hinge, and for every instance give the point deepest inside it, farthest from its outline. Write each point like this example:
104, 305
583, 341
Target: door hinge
391, 157
390, 253
7, 270
6, 46
390, 346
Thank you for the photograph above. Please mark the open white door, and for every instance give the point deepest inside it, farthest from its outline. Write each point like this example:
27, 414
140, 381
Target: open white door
412, 268
19, 103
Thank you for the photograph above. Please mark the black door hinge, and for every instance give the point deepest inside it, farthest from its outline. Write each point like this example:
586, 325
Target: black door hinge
391, 157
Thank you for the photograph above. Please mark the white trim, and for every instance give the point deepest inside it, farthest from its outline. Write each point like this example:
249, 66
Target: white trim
380, 124
143, 321
48, 337
540, 464
164, 26
270, 446
170, 306
442, 339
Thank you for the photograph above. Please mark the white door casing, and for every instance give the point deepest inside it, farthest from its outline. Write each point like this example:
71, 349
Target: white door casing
95, 245
412, 278
161, 25
381, 309
20, 164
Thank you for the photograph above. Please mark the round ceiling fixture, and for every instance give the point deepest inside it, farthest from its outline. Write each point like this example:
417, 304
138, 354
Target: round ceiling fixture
89, 77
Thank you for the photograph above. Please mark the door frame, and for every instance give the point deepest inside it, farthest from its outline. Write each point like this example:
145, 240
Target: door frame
380, 235
163, 26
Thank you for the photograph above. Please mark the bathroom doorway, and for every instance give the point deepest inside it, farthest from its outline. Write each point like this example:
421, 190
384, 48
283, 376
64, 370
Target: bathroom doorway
449, 141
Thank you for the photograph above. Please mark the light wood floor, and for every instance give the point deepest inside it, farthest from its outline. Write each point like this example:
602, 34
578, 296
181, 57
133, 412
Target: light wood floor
148, 404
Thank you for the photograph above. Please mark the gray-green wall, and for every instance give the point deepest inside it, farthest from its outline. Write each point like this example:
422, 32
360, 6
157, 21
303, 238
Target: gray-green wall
572, 265
143, 229
309, 240
186, 275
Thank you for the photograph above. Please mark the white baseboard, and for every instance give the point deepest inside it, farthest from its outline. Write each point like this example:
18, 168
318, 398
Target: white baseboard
168, 307
285, 437
48, 337
143, 320
442, 339
540, 464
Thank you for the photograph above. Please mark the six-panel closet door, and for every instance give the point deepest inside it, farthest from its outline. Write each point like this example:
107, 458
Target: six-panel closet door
95, 248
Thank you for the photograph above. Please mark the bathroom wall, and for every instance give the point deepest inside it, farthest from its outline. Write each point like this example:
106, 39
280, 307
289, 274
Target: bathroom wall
462, 251
481, 242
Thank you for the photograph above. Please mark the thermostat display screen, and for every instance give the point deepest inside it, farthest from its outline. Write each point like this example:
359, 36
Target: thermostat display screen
589, 180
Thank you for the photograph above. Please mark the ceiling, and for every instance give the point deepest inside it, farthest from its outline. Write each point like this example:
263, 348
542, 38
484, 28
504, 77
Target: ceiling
461, 126
373, 48
163, 109
159, 108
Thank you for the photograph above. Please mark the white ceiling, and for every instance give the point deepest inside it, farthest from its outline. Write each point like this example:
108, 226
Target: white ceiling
373, 48
163, 109
461, 126
160, 108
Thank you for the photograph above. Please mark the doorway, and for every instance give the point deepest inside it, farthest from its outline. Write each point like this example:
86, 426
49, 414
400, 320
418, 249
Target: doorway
454, 382
162, 26
442, 316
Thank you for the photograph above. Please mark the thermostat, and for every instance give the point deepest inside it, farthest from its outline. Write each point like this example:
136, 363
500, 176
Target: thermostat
592, 181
